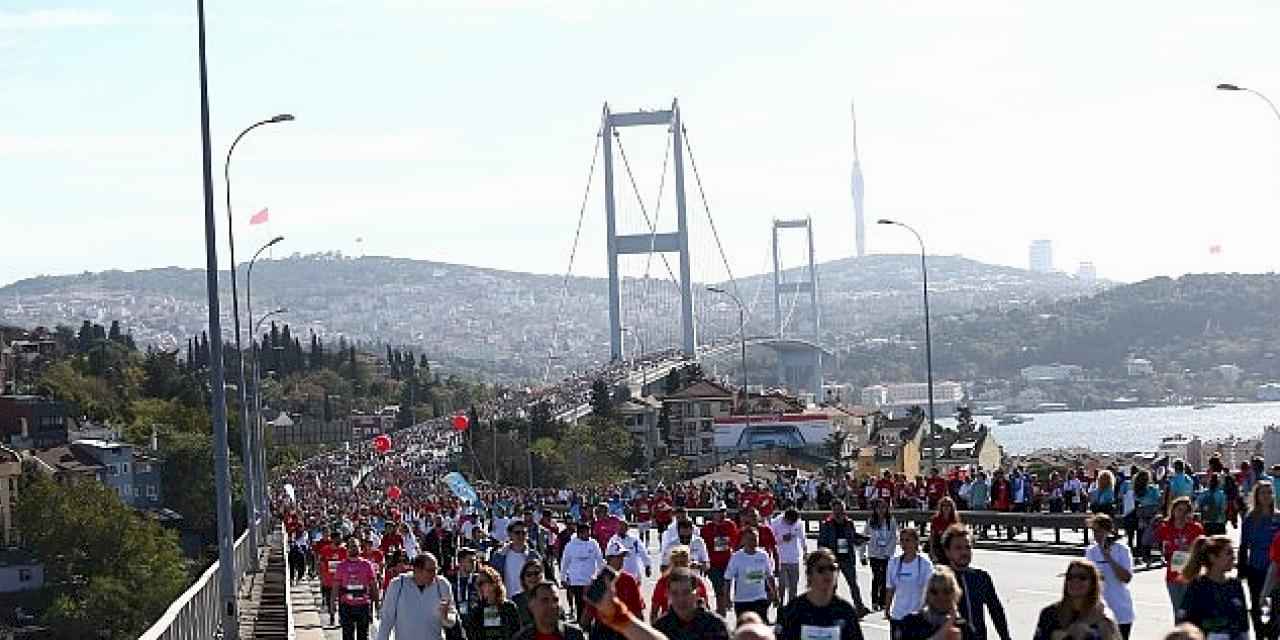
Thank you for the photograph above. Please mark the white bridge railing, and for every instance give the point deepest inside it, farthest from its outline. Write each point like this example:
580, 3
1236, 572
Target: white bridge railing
196, 614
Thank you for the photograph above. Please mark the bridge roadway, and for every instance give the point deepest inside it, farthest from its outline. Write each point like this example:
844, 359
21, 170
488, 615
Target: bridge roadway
1026, 582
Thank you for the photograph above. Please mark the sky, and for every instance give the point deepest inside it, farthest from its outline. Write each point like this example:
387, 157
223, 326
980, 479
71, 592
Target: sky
463, 131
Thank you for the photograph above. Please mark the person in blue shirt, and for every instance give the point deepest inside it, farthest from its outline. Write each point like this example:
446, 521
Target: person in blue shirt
1257, 530
1212, 503
1181, 484
1102, 499
1146, 506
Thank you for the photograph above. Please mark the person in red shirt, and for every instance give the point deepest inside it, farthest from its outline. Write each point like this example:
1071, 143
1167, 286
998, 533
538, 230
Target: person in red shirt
884, 487
764, 535
936, 486
1175, 535
661, 506
328, 555
721, 536
642, 515
392, 537
626, 586
604, 526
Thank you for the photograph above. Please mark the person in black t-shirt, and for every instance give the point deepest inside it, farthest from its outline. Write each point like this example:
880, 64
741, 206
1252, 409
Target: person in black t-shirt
819, 608
687, 620
938, 618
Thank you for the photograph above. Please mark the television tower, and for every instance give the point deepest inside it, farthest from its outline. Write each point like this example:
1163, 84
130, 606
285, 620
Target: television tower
859, 226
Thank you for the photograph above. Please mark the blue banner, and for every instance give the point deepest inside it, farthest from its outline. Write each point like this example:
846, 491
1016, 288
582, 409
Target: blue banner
460, 487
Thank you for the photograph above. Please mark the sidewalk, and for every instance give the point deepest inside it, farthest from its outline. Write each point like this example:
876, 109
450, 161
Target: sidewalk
310, 621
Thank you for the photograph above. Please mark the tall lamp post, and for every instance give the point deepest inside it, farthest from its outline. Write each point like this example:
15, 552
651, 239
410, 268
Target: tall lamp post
257, 387
261, 460
250, 501
1232, 87
228, 611
746, 395
928, 339
649, 444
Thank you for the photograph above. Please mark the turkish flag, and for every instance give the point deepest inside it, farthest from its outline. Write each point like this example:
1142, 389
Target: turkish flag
259, 217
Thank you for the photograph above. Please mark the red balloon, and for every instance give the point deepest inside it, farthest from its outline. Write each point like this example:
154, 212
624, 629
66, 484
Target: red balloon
393, 492
461, 422
382, 443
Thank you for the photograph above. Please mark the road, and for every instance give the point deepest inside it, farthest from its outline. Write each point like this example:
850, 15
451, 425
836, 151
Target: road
1026, 582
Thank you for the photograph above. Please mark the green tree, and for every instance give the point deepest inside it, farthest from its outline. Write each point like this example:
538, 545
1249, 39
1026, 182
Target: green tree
112, 572
601, 401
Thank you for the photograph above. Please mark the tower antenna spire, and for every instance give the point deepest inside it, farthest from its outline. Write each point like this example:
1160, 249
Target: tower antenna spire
860, 229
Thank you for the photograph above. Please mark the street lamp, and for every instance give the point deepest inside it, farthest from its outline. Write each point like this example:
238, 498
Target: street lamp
1231, 87
228, 611
746, 395
928, 339
649, 445
257, 381
251, 505
257, 413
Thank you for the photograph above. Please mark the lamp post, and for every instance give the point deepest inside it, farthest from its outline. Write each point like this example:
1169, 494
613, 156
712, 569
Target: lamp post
928, 339
1231, 87
250, 498
649, 445
261, 460
257, 383
228, 609
746, 395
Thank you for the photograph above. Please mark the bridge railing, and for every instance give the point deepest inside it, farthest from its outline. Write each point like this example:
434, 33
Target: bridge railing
197, 613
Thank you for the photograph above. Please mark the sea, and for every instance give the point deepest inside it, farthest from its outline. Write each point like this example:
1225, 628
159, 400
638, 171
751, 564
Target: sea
1130, 429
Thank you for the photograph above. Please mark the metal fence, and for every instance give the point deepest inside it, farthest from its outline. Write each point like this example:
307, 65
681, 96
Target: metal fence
196, 614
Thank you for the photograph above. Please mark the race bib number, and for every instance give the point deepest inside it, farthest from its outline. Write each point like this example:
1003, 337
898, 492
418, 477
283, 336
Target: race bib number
722, 543
811, 632
492, 618
1179, 560
355, 590
755, 577
643, 509
842, 546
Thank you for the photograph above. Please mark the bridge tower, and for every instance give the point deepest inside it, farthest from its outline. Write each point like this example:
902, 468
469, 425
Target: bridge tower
641, 243
799, 356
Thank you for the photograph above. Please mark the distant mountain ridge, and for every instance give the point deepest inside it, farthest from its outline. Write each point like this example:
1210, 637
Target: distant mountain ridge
500, 324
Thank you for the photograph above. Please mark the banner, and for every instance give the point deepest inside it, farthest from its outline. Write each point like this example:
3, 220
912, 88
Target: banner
460, 487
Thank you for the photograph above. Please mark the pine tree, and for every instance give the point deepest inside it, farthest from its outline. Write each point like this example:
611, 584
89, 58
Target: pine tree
84, 339
190, 363
115, 334
202, 358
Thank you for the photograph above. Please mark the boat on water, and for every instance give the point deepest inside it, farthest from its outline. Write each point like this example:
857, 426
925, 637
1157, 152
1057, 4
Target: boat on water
1204, 405
1012, 418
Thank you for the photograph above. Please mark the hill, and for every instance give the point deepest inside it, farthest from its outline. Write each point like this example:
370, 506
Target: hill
1192, 323
489, 322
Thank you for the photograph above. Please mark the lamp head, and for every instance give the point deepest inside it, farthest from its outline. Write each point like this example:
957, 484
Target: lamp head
275, 241
714, 289
283, 117
1229, 87
885, 221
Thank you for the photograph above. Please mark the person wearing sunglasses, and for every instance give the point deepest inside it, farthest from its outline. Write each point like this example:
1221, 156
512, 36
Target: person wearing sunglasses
1080, 614
494, 617
938, 618
531, 574
510, 559
819, 612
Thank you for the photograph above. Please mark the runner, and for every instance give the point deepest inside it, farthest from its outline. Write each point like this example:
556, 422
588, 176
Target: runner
355, 587
838, 535
750, 571
907, 574
687, 620
818, 613
1175, 536
978, 592
1114, 563
721, 537
494, 616
788, 529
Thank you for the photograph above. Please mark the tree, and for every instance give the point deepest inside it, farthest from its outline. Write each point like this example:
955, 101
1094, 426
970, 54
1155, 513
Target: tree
601, 402
316, 361
112, 573
964, 419
115, 335
186, 474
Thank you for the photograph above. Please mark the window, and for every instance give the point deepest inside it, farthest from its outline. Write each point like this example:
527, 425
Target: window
112, 470
24, 575
691, 446
124, 467
152, 492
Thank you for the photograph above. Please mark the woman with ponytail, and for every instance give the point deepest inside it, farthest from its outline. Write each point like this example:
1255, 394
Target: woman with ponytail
1080, 613
1214, 603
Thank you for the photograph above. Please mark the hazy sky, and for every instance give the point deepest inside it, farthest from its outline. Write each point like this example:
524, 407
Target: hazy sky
463, 131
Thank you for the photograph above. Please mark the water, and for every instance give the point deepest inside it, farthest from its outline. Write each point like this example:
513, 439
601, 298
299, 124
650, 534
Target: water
1131, 429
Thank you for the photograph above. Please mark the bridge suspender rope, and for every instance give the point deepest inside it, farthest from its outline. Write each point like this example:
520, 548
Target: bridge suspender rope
573, 253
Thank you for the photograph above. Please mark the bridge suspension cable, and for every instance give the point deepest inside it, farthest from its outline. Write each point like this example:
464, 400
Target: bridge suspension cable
573, 253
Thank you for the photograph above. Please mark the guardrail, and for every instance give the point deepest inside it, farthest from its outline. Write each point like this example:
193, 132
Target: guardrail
196, 614
291, 633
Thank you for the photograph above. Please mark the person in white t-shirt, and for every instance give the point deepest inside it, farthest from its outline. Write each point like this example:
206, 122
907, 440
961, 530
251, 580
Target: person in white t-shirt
1115, 563
908, 575
750, 571
627, 544
698, 556
788, 531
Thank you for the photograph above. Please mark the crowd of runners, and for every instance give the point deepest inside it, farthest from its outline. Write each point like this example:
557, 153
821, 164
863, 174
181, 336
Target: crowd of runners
396, 549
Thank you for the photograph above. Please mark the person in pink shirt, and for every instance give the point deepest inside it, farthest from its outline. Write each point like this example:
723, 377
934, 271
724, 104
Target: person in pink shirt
355, 587
605, 526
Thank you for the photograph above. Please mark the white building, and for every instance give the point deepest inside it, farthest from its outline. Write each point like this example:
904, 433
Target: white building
1271, 445
1051, 372
1087, 273
1229, 373
1139, 367
1233, 450
1180, 447
902, 396
1041, 254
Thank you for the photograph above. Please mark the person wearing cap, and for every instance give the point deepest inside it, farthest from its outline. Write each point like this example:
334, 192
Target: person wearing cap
636, 556
721, 537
